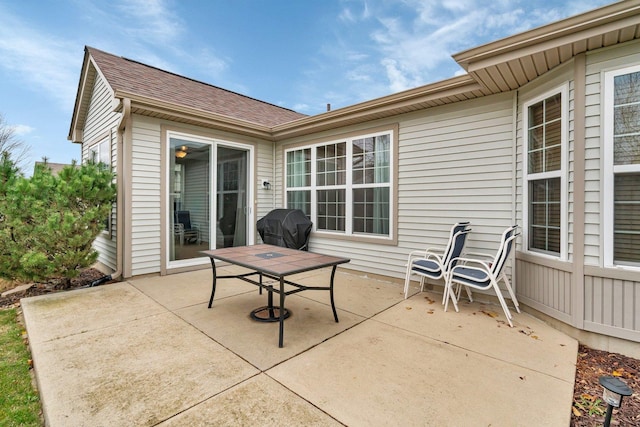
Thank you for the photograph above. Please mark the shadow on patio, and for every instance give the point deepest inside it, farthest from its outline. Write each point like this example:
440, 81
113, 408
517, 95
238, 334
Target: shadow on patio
149, 352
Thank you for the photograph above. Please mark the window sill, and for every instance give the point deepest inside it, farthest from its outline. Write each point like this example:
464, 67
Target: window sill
388, 241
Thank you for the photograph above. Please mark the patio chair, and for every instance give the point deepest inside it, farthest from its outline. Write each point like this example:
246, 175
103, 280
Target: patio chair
433, 263
483, 275
184, 229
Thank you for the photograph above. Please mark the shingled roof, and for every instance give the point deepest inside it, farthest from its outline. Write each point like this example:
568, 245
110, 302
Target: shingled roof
132, 77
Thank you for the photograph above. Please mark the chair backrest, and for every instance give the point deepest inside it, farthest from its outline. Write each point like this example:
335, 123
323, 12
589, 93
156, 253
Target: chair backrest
508, 237
456, 243
184, 218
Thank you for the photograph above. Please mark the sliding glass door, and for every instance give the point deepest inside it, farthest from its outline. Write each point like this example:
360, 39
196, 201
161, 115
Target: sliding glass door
199, 219
231, 197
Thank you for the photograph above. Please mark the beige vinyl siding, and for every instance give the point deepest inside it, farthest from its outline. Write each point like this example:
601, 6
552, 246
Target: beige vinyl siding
102, 122
265, 199
455, 163
145, 196
593, 217
545, 285
611, 306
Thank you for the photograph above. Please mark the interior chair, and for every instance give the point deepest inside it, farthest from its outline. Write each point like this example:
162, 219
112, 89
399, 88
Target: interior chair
184, 229
434, 263
484, 274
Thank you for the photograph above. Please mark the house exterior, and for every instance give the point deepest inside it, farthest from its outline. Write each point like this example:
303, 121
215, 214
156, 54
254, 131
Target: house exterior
542, 131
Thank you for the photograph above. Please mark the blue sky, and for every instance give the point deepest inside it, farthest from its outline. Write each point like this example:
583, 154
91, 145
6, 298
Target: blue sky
299, 54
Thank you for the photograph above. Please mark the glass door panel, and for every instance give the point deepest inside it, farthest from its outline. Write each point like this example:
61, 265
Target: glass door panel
231, 197
189, 201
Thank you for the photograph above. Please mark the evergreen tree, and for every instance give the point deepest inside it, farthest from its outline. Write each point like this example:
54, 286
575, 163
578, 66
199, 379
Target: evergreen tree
48, 223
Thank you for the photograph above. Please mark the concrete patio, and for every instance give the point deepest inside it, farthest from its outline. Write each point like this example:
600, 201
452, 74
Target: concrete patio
149, 352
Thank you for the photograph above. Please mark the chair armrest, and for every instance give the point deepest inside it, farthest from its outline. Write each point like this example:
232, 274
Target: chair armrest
424, 255
178, 227
435, 250
466, 254
464, 262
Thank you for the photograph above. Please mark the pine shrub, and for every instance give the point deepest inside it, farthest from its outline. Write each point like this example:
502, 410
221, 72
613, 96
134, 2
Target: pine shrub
48, 222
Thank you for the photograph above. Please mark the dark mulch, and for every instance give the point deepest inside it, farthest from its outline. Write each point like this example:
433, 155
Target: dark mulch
85, 278
588, 409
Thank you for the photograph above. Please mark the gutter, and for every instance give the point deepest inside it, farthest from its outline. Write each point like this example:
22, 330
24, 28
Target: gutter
126, 112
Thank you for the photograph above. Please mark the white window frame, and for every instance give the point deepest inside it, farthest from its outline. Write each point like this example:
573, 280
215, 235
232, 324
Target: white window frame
562, 173
102, 151
609, 168
214, 143
348, 187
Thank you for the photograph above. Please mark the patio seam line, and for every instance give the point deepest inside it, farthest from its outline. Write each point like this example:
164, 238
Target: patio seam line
119, 323
207, 398
306, 400
474, 351
260, 370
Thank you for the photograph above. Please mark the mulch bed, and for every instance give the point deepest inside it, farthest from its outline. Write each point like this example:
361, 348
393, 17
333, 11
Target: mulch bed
588, 409
85, 278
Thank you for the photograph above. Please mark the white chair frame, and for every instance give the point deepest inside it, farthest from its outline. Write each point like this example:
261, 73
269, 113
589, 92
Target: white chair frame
488, 275
441, 258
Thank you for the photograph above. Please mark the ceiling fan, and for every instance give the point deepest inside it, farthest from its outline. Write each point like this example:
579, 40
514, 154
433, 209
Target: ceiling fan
182, 152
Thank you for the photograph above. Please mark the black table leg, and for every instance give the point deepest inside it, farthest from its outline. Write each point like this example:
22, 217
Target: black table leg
268, 312
333, 306
282, 316
213, 287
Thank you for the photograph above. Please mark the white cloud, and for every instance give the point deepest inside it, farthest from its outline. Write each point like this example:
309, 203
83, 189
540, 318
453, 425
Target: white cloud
415, 39
348, 14
154, 20
21, 130
301, 108
398, 80
46, 62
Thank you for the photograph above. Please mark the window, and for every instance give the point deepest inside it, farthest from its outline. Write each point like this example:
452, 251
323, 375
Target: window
101, 152
622, 167
343, 186
544, 189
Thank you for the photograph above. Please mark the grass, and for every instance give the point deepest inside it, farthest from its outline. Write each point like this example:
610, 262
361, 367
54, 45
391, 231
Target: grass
19, 401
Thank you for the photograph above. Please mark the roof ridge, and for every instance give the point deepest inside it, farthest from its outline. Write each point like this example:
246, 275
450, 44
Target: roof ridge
193, 80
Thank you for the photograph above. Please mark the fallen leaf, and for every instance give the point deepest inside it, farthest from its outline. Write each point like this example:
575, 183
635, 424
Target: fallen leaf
408, 308
588, 397
490, 314
576, 412
618, 372
430, 312
535, 337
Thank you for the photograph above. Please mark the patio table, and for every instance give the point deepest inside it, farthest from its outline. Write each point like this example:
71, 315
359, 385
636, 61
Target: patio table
274, 262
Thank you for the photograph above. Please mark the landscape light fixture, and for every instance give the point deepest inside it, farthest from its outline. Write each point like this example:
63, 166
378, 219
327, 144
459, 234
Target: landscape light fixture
614, 391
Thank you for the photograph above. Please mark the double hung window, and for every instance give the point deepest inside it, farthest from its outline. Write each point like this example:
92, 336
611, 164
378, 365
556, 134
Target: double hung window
544, 174
622, 167
343, 186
